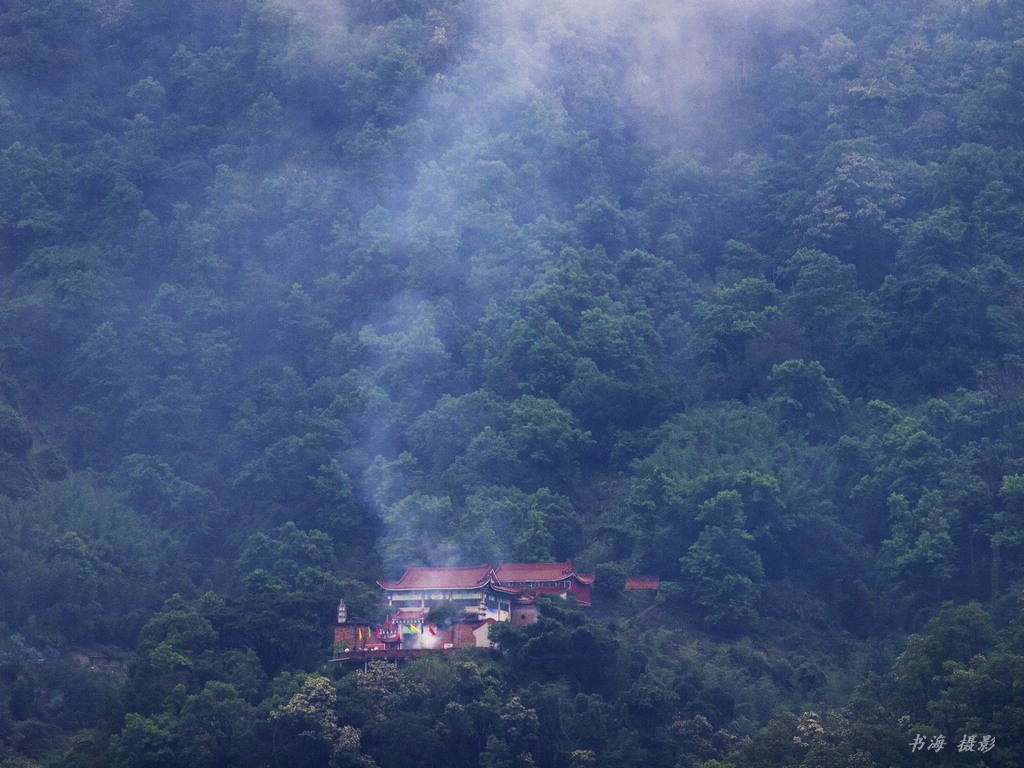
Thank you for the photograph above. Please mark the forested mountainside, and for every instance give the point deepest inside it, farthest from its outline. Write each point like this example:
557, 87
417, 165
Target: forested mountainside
299, 293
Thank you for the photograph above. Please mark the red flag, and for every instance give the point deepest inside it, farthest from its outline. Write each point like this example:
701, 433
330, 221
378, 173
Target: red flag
431, 630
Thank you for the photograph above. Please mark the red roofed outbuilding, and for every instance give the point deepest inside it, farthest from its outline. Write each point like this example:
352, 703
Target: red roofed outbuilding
652, 583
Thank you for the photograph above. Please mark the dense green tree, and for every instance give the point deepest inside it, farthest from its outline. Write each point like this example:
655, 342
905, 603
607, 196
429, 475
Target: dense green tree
921, 549
733, 338
724, 571
563, 644
806, 398
170, 647
215, 727
142, 743
1007, 535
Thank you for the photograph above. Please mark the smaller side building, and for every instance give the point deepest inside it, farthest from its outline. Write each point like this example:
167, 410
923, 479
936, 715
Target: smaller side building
646, 582
554, 579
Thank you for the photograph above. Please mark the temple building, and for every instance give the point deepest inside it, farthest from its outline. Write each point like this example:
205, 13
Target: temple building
442, 608
473, 592
482, 592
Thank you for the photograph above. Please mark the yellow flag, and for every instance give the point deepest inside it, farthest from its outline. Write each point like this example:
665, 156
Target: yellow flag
414, 628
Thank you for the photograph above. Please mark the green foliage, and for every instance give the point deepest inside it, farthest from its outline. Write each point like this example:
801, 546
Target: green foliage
1008, 520
15, 439
722, 569
296, 295
307, 725
215, 727
921, 548
806, 398
734, 334
142, 743
563, 643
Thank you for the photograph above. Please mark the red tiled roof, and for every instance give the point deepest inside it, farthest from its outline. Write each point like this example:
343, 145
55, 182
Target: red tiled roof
410, 614
519, 572
441, 578
643, 582
514, 591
